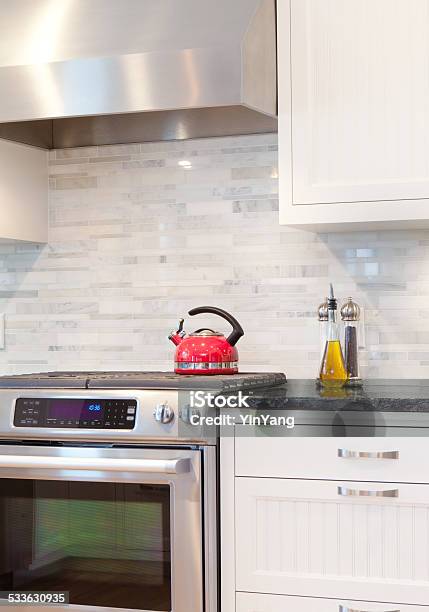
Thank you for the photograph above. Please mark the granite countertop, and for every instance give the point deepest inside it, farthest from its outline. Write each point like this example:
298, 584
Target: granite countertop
377, 408
373, 395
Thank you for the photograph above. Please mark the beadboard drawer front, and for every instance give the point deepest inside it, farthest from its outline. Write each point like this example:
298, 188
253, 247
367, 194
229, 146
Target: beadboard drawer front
255, 602
331, 539
378, 459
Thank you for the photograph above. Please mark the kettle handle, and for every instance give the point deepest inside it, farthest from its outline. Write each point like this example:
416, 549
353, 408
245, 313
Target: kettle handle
237, 330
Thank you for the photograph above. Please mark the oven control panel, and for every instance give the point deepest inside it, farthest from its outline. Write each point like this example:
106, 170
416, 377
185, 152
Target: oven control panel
86, 413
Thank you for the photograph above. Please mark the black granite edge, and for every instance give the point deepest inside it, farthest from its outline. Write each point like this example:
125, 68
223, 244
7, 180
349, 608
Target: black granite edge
258, 401
373, 396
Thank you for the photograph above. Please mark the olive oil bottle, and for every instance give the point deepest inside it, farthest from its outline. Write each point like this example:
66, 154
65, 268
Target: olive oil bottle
333, 371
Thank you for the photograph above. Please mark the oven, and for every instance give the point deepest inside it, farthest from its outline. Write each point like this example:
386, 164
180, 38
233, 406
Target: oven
116, 528
118, 520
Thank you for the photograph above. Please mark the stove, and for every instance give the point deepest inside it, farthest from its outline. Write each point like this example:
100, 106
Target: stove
105, 466
75, 446
141, 380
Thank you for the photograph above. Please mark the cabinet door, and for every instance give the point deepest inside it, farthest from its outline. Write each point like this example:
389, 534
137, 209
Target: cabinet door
330, 539
254, 602
360, 89
23, 192
354, 110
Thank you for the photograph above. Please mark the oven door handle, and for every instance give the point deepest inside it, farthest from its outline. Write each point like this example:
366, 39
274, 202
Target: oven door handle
144, 466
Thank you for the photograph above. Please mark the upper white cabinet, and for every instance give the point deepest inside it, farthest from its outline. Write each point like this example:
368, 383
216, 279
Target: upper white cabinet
23, 193
354, 113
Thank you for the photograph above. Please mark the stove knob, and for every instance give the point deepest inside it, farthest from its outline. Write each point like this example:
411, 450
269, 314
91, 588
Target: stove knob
163, 413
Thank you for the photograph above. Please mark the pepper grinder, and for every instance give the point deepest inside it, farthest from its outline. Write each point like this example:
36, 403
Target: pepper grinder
350, 315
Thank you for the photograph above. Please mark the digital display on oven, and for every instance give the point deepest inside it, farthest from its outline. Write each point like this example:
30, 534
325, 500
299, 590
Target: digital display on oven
75, 412
75, 409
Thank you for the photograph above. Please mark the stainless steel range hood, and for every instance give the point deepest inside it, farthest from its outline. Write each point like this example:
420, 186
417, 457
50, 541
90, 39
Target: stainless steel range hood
83, 72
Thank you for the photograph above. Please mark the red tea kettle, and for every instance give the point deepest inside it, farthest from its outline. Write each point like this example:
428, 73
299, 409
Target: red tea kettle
206, 351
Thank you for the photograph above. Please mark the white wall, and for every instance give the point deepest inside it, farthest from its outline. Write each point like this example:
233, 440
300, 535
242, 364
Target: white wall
136, 240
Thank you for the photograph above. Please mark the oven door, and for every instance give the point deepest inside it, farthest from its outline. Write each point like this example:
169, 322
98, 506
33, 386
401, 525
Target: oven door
116, 528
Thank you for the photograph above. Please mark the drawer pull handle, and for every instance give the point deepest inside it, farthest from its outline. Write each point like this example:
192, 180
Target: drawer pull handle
346, 492
345, 453
344, 609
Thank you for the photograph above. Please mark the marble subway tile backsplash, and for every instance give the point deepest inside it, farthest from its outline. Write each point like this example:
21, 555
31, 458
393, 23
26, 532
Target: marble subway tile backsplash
139, 234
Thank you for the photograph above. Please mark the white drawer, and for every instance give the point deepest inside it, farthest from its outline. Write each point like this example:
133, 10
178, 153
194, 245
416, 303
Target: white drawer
254, 602
322, 539
378, 459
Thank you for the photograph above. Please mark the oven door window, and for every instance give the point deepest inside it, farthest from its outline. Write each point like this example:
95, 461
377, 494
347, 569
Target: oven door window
107, 544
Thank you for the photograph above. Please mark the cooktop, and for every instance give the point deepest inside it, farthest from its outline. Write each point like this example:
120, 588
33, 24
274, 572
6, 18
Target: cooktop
141, 380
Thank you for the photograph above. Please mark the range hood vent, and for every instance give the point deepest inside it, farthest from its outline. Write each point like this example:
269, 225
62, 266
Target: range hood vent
176, 69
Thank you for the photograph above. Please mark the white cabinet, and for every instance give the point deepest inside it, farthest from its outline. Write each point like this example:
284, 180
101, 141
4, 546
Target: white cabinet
353, 113
333, 539
304, 529
23, 193
254, 602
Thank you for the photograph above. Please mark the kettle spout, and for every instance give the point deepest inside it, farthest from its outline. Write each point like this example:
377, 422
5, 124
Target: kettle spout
176, 337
